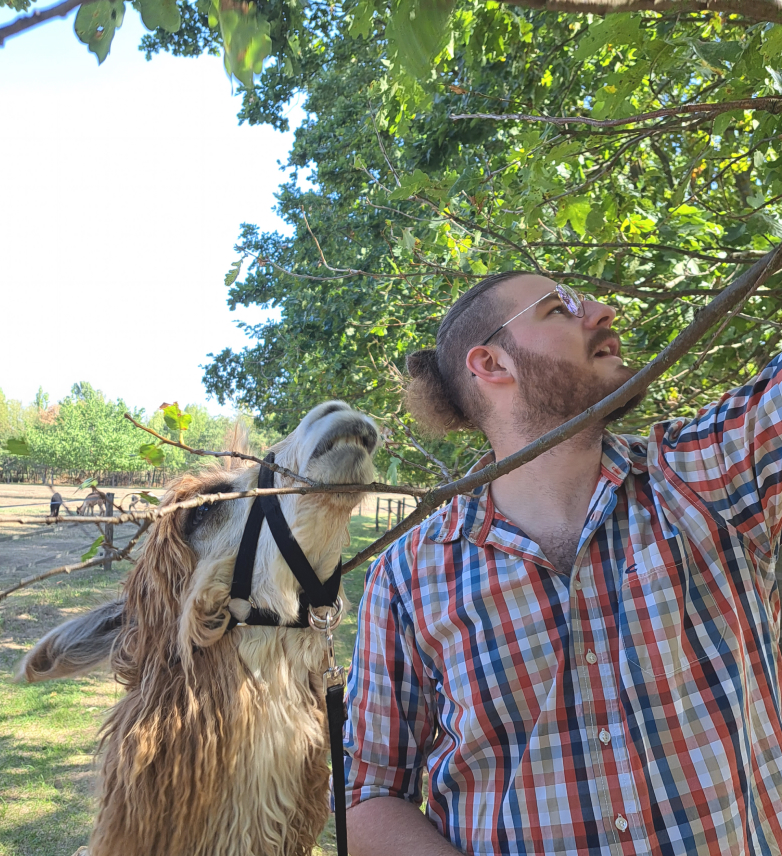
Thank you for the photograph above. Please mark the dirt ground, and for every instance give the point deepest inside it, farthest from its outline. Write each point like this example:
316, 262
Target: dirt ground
29, 549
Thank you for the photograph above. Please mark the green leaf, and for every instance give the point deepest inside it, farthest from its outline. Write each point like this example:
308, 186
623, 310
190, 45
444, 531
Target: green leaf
362, 20
152, 454
246, 37
772, 44
718, 55
620, 29
90, 482
18, 447
93, 551
95, 25
576, 210
152, 500
359, 162
233, 272
467, 181
391, 473
417, 31
410, 185
160, 13
176, 419
724, 120
408, 239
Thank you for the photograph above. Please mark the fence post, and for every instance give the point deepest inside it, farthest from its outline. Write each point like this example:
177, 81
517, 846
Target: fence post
108, 540
377, 513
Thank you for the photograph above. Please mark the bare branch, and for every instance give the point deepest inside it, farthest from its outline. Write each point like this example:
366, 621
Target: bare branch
428, 455
65, 569
25, 22
206, 453
770, 104
209, 498
735, 294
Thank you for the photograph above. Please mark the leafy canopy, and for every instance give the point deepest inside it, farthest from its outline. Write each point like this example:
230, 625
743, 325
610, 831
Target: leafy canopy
422, 187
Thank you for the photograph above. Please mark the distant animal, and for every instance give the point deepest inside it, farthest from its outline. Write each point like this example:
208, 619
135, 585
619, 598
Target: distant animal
92, 503
54, 505
135, 500
218, 748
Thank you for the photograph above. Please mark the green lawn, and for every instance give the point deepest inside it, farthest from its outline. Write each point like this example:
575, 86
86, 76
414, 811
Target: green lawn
48, 732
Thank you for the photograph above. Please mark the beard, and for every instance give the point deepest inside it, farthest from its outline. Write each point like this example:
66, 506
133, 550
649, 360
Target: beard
552, 391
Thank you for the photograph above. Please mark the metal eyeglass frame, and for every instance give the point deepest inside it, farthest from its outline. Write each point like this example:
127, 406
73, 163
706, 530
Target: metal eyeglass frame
568, 297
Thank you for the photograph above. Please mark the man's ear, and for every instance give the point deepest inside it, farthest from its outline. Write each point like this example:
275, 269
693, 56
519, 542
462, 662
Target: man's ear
490, 364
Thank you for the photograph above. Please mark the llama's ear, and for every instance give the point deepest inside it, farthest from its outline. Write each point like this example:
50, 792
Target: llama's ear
74, 648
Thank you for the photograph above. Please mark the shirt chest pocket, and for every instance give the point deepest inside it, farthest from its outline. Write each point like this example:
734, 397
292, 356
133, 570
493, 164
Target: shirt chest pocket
668, 617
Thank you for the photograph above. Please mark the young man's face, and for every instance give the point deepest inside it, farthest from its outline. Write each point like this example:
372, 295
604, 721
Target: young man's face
563, 364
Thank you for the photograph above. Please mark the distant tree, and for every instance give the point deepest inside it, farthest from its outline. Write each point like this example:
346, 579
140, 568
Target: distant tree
86, 432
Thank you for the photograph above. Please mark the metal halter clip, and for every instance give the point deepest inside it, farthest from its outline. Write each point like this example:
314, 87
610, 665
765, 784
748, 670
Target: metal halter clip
334, 674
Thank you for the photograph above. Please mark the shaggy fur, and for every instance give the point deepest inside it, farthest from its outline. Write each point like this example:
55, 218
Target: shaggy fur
219, 746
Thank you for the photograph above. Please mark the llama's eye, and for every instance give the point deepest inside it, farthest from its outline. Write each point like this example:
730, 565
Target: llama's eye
199, 516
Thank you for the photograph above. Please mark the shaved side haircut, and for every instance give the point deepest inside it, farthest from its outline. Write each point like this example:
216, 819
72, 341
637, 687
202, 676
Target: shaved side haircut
439, 393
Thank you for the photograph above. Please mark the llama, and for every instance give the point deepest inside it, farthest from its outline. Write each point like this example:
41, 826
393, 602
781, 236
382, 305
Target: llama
218, 747
135, 500
93, 503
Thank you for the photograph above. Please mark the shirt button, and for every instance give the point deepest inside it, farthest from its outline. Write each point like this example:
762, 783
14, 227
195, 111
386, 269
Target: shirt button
577, 584
591, 657
605, 737
620, 823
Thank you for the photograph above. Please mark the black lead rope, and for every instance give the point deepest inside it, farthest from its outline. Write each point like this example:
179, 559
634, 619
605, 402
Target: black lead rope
315, 594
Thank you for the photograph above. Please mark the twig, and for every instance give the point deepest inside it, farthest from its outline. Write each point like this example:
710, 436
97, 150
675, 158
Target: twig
771, 104
734, 294
91, 563
65, 569
205, 452
25, 22
428, 455
209, 498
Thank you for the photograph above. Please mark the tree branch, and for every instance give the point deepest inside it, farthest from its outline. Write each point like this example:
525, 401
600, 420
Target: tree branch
758, 10
735, 294
230, 454
25, 22
771, 104
66, 569
209, 498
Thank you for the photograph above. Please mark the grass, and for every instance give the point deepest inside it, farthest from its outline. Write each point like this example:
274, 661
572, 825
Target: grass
48, 732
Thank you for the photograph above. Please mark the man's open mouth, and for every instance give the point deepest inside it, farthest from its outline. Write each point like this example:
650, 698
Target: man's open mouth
610, 347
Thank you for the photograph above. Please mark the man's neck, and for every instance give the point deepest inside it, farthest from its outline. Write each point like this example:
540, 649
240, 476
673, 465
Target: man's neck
554, 490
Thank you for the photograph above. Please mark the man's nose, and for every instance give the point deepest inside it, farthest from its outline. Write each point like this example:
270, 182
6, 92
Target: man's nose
598, 314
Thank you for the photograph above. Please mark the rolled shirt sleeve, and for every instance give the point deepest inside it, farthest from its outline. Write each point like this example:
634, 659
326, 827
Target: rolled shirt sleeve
730, 456
390, 723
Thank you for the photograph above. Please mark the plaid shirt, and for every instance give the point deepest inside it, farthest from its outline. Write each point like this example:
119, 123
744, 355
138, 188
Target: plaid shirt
631, 706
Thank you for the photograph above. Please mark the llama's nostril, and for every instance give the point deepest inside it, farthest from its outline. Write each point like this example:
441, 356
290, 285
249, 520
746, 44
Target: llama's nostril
333, 408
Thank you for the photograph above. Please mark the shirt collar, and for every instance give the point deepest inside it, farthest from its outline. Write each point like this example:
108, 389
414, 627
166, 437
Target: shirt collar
474, 516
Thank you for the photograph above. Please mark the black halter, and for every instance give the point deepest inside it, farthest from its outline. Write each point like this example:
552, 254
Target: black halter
315, 593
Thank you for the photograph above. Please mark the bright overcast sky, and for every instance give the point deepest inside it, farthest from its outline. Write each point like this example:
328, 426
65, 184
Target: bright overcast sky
123, 189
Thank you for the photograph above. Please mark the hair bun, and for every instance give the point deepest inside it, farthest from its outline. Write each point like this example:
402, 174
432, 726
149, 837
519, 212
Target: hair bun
423, 363
426, 397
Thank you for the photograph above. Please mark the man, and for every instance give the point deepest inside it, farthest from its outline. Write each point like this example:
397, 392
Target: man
584, 655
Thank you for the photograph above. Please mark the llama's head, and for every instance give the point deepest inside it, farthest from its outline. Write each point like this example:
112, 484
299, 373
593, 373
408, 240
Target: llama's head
333, 444
176, 598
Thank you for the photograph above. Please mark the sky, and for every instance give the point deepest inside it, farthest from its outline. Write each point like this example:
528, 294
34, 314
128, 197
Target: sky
123, 189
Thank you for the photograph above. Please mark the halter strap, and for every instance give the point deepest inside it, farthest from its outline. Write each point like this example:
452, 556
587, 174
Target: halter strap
315, 593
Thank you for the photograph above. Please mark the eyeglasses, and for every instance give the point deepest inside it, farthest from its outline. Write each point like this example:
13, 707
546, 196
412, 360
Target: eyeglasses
572, 300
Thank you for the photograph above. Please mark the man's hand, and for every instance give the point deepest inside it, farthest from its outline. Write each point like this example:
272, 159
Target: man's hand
388, 826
